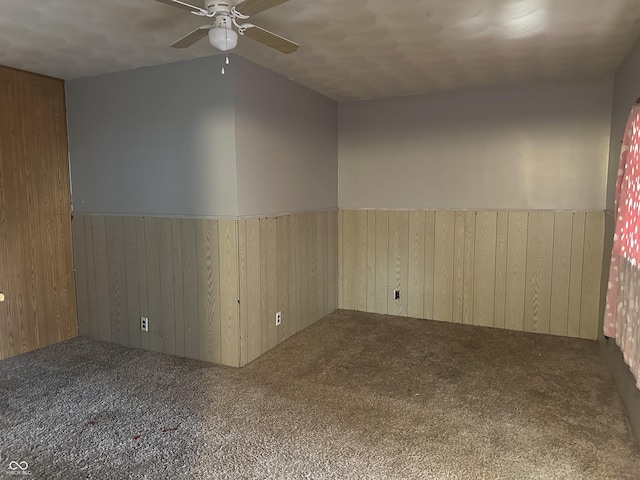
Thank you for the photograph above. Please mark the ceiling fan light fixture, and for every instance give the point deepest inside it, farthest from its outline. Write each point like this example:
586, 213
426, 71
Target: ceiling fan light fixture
222, 38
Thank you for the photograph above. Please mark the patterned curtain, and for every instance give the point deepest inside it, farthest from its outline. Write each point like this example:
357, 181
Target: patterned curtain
622, 314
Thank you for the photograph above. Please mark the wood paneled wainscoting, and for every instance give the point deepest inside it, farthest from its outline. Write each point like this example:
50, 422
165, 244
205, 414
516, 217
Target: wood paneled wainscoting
537, 271
210, 288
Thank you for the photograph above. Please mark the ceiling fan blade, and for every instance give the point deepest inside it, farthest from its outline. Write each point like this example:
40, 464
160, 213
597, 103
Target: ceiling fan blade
191, 38
270, 39
251, 7
183, 5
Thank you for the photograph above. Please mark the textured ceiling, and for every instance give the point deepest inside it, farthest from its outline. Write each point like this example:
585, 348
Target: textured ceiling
349, 49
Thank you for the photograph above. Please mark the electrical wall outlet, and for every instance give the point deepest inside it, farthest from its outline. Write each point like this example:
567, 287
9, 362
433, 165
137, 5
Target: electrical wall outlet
278, 319
144, 324
396, 294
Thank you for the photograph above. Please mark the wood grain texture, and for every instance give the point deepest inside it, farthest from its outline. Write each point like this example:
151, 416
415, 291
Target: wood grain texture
469, 265
591, 274
208, 291
507, 269
243, 300
116, 267
81, 275
253, 294
291, 262
229, 313
348, 257
429, 262
398, 261
575, 281
282, 275
538, 272
360, 267
485, 269
167, 318
154, 292
272, 283
178, 287
560, 281
458, 267
382, 261
443, 272
142, 277
371, 261
133, 287
501, 269
190, 288
102, 279
416, 266
332, 258
36, 253
516, 270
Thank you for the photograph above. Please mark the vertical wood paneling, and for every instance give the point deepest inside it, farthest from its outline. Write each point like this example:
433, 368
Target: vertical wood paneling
398, 261
348, 259
443, 276
228, 271
81, 276
429, 262
254, 294
371, 261
469, 264
415, 286
292, 325
282, 275
591, 274
116, 267
243, 305
575, 282
167, 288
560, 281
340, 241
142, 277
322, 264
101, 279
208, 290
458, 267
154, 292
312, 252
131, 274
190, 288
501, 269
538, 272
332, 258
360, 267
516, 270
382, 260
178, 287
272, 282
485, 269
264, 287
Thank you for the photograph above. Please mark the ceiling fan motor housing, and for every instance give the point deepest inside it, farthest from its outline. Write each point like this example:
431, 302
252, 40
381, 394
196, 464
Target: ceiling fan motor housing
216, 6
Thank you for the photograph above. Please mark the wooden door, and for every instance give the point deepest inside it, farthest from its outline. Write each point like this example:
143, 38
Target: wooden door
36, 266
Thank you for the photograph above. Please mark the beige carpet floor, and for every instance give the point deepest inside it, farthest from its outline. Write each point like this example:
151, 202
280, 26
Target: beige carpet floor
353, 396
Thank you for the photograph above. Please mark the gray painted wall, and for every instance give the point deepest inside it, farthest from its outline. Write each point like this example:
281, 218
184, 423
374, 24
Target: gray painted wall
286, 144
154, 141
537, 146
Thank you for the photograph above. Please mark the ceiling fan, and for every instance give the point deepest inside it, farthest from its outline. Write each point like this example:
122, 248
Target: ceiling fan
225, 16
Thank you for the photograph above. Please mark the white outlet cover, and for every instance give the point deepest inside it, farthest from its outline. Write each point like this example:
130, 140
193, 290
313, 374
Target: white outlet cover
278, 318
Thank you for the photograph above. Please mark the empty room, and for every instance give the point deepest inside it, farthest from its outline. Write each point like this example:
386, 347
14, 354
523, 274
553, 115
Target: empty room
282, 239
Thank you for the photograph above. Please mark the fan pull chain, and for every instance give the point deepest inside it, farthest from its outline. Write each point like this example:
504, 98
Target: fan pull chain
226, 62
